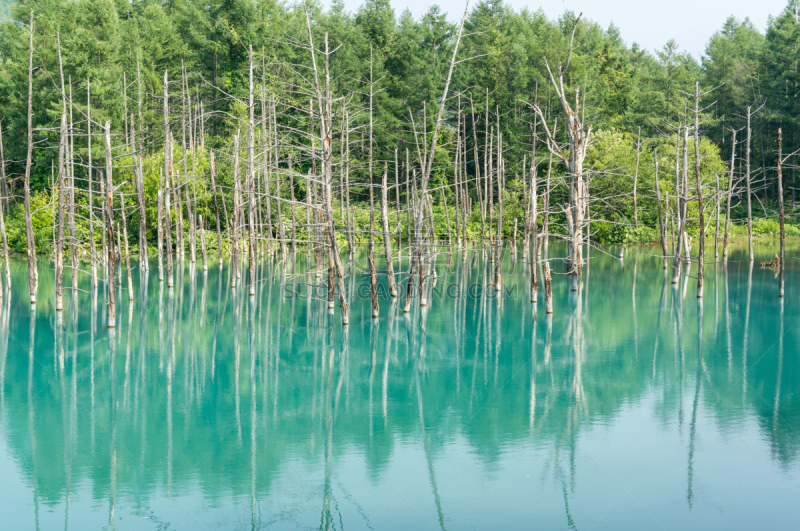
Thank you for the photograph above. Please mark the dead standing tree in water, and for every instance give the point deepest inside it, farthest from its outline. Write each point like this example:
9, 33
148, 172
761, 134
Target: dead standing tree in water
3, 205
250, 185
30, 242
167, 181
578, 143
419, 232
111, 284
781, 219
387, 242
701, 208
325, 105
699, 184
59, 247
748, 179
662, 226
729, 197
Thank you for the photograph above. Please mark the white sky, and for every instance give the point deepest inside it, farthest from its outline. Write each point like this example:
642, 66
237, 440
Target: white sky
650, 23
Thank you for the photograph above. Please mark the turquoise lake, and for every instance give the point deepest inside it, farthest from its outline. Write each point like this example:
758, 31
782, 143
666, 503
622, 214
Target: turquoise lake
634, 406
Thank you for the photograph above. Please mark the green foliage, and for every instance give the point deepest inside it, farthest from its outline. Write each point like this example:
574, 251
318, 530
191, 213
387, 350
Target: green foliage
42, 210
771, 227
624, 88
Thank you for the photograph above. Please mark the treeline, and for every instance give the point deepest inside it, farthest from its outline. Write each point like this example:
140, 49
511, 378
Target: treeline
115, 55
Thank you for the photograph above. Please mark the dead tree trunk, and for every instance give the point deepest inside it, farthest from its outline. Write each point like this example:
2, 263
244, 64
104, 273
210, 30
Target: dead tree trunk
373, 277
534, 228
119, 250
264, 157
578, 143
429, 159
203, 243
64, 195
466, 212
478, 175
514, 241
716, 224
127, 249
168, 228
409, 202
281, 230
331, 281
546, 202
167, 181
548, 289
325, 100
59, 247
749, 192
5, 248
294, 208
529, 204
4, 195
29, 240
636, 179
457, 177
251, 199
216, 205
236, 220
89, 172
159, 226
187, 107
730, 197
104, 233
700, 206
111, 284
498, 266
447, 221
73, 241
139, 176
490, 173
342, 187
661, 225
4, 198
782, 258
687, 246
351, 239
397, 205
387, 242
680, 208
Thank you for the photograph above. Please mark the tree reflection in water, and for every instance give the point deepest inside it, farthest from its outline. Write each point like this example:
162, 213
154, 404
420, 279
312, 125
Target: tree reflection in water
475, 408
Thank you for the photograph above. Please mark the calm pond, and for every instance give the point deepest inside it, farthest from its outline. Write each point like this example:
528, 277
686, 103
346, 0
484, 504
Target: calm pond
634, 406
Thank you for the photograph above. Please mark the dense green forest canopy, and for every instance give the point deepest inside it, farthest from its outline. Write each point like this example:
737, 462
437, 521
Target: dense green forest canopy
624, 89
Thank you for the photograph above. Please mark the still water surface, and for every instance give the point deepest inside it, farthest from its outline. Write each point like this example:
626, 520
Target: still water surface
633, 407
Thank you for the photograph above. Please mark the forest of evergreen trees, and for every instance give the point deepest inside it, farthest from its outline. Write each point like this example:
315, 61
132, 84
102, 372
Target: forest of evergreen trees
115, 55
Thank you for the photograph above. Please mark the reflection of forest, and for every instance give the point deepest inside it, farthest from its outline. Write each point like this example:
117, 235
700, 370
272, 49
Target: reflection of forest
207, 385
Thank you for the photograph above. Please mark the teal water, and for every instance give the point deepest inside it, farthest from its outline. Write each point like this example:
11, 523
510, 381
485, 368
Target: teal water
632, 407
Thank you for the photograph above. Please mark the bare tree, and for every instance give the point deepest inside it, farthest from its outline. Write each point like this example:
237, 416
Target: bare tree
59, 247
661, 225
325, 104
729, 197
111, 284
578, 143
428, 159
127, 256
90, 185
700, 206
387, 241
782, 258
167, 180
251, 197
635, 178
31, 244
